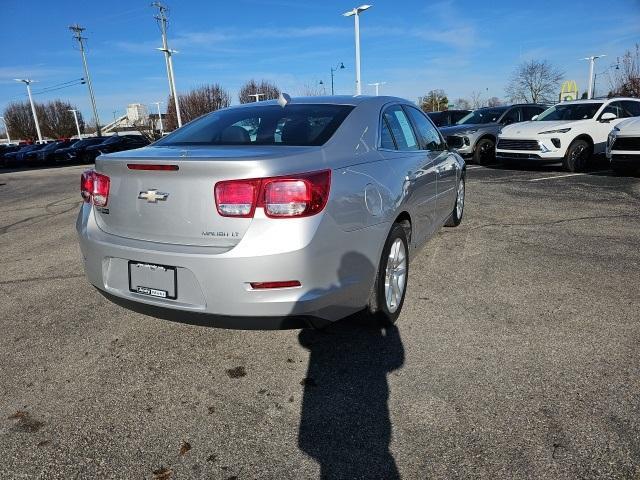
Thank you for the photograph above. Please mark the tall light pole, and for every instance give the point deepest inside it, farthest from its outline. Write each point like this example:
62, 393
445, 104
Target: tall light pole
162, 21
377, 85
356, 14
592, 60
6, 127
159, 117
75, 117
333, 71
28, 83
77, 33
595, 75
256, 96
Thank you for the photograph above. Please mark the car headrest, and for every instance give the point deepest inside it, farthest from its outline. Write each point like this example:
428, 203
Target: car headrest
235, 134
296, 132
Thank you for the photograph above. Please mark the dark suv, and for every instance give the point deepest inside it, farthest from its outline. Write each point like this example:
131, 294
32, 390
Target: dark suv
475, 135
76, 151
115, 143
448, 117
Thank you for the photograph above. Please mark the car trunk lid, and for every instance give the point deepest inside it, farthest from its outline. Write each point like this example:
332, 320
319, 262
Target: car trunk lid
178, 206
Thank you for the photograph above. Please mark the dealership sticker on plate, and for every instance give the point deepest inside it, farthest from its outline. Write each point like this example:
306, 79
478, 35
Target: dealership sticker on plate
152, 291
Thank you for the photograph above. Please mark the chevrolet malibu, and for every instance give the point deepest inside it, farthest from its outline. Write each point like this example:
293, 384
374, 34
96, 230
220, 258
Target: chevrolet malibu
266, 214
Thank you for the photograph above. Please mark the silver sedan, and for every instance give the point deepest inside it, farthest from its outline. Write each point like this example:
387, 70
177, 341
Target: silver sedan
262, 215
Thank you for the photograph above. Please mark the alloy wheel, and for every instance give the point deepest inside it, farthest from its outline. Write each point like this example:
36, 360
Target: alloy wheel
395, 278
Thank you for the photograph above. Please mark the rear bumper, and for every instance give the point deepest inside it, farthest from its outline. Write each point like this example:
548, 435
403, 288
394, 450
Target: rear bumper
213, 283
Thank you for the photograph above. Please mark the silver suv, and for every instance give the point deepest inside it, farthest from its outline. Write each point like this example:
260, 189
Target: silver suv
475, 135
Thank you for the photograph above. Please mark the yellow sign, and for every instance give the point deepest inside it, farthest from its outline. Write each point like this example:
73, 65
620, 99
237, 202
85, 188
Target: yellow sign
569, 91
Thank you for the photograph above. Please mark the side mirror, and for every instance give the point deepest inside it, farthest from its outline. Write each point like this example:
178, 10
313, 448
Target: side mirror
607, 117
534, 117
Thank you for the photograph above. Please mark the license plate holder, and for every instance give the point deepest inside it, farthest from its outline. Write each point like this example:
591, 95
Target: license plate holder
157, 281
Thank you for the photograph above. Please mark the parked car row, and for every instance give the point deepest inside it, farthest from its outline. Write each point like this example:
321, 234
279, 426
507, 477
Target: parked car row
63, 151
570, 133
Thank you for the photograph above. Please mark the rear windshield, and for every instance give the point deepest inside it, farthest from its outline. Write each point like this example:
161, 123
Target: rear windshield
569, 111
300, 125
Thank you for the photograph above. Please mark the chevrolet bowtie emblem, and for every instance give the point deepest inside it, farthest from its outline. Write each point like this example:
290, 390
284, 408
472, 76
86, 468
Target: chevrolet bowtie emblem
152, 196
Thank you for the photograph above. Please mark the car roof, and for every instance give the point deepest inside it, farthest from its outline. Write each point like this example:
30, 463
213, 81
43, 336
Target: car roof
353, 100
599, 100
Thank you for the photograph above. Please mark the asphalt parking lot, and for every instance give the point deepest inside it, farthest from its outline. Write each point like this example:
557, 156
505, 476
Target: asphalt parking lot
516, 355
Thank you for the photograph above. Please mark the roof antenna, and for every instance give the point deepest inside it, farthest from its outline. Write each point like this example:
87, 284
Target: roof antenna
284, 99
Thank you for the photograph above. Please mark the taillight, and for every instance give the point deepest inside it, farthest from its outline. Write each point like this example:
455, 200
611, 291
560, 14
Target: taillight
237, 198
94, 188
280, 197
86, 185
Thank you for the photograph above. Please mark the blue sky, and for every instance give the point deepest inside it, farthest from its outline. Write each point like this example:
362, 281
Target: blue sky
458, 45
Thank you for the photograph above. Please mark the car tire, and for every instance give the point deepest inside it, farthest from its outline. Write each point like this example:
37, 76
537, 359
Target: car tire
390, 286
577, 156
458, 207
485, 152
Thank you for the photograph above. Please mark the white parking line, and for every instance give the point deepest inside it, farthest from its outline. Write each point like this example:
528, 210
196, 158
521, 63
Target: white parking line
473, 167
556, 176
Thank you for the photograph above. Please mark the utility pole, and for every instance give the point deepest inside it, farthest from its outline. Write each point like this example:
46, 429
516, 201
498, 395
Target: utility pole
77, 33
75, 117
28, 83
162, 22
6, 128
377, 85
256, 96
592, 60
159, 117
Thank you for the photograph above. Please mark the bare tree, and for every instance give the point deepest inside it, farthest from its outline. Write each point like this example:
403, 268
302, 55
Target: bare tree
57, 121
534, 81
54, 118
311, 90
494, 102
626, 79
476, 100
204, 99
435, 101
463, 104
267, 89
20, 120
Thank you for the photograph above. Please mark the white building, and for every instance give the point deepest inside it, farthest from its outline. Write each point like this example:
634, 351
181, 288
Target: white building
137, 113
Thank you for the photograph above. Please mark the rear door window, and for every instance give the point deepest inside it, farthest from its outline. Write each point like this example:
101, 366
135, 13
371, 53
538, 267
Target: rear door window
401, 129
633, 108
386, 139
512, 116
530, 112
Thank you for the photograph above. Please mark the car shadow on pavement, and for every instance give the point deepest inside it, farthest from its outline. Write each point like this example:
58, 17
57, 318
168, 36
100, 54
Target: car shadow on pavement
345, 423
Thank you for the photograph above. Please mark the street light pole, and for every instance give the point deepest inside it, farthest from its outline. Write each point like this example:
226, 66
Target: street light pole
377, 85
592, 60
356, 14
162, 20
333, 71
28, 83
159, 118
75, 117
6, 127
77, 30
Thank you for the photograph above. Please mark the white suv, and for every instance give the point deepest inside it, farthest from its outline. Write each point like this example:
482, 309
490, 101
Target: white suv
623, 146
569, 132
